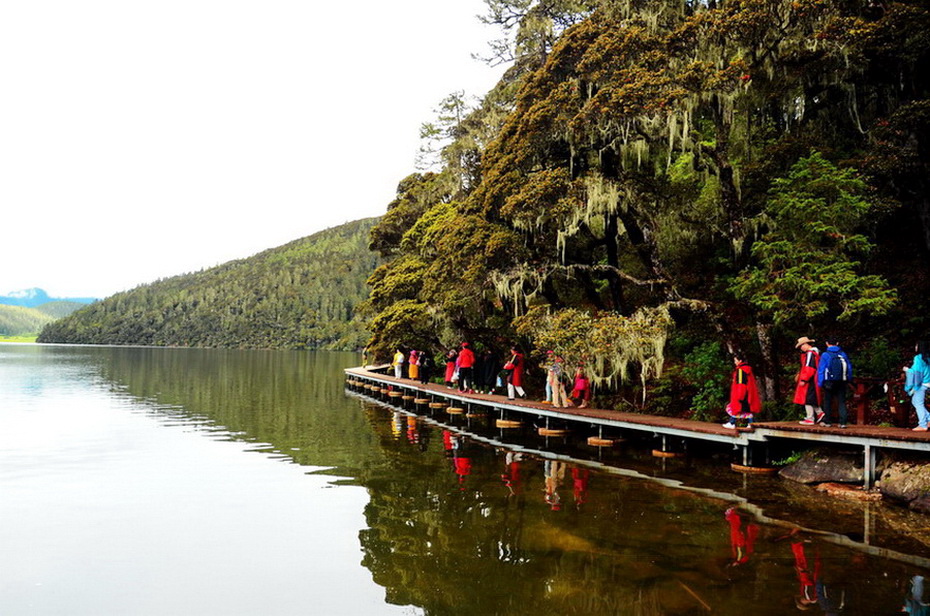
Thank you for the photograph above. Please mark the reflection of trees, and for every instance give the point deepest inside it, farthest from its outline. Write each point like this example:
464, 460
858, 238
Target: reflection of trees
293, 401
632, 549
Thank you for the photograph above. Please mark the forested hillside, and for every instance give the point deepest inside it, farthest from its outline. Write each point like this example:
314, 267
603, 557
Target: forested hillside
657, 182
21, 321
300, 295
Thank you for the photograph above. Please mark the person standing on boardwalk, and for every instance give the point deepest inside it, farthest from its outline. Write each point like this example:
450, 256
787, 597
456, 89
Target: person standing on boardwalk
514, 370
466, 369
806, 392
413, 365
554, 389
425, 359
834, 373
398, 363
744, 394
916, 383
451, 358
582, 388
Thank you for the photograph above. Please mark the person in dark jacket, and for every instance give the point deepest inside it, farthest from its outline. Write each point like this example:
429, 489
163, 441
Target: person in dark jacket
834, 374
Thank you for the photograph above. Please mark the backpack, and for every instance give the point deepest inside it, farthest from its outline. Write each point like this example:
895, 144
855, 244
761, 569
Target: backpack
838, 369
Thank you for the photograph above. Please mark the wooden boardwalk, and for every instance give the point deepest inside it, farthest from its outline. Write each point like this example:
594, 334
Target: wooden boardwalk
871, 438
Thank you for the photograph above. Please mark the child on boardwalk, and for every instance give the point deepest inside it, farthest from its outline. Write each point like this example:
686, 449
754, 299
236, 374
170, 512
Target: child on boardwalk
744, 395
582, 388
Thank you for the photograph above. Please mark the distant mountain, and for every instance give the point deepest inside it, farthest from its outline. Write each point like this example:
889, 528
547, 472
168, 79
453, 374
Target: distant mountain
300, 295
31, 298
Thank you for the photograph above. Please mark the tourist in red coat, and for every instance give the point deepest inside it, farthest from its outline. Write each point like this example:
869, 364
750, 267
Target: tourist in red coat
744, 395
514, 374
806, 392
466, 369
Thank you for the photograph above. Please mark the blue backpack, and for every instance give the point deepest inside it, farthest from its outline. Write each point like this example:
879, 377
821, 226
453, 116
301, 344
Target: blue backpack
839, 368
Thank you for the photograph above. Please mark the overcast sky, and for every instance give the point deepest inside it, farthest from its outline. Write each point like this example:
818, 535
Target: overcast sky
143, 139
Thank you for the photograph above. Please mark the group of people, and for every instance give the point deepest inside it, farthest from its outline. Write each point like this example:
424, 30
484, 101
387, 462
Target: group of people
822, 379
466, 370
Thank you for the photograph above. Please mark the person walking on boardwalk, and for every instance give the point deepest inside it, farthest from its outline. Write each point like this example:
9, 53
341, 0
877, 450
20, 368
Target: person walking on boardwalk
744, 394
555, 391
398, 363
514, 370
834, 373
917, 381
466, 369
806, 392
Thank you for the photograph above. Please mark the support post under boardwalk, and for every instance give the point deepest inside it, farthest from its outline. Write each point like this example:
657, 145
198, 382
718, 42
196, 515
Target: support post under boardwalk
868, 467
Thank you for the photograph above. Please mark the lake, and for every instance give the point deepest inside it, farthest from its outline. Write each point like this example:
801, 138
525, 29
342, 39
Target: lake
194, 481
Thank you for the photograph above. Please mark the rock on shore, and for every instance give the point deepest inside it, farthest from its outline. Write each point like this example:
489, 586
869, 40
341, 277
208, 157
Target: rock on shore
900, 477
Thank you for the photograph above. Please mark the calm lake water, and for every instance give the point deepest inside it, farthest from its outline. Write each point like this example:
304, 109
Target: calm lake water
181, 481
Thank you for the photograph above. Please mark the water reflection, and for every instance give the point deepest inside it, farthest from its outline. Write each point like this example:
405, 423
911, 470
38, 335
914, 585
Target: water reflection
518, 531
463, 518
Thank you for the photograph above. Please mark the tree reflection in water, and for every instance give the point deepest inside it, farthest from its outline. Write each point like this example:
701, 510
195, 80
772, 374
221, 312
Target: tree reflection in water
463, 527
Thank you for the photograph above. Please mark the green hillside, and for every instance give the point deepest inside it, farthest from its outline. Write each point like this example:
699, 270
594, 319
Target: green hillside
59, 309
300, 295
19, 321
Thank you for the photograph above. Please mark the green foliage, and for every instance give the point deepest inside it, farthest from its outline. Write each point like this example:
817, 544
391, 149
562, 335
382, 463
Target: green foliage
300, 295
659, 158
878, 358
807, 264
707, 368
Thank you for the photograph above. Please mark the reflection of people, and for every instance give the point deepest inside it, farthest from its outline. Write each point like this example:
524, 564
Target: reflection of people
555, 473
397, 424
511, 475
744, 395
914, 602
812, 589
461, 460
580, 485
742, 541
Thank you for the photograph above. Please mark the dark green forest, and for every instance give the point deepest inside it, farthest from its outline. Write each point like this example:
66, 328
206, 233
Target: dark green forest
655, 184
300, 295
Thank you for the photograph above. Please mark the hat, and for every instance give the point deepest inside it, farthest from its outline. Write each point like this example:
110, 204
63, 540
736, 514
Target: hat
803, 340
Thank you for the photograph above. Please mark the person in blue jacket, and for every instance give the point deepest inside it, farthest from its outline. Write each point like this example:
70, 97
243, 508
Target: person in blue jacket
917, 381
834, 373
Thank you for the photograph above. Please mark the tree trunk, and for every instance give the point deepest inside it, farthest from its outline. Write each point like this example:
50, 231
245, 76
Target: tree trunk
769, 364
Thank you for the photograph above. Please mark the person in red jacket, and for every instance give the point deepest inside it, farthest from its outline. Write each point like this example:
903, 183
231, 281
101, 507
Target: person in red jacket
466, 369
514, 374
806, 392
744, 395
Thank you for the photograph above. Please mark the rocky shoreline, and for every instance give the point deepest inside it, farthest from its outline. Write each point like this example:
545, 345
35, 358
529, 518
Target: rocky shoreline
900, 478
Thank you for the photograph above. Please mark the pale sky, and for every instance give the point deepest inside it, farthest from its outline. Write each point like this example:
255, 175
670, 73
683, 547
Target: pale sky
143, 139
